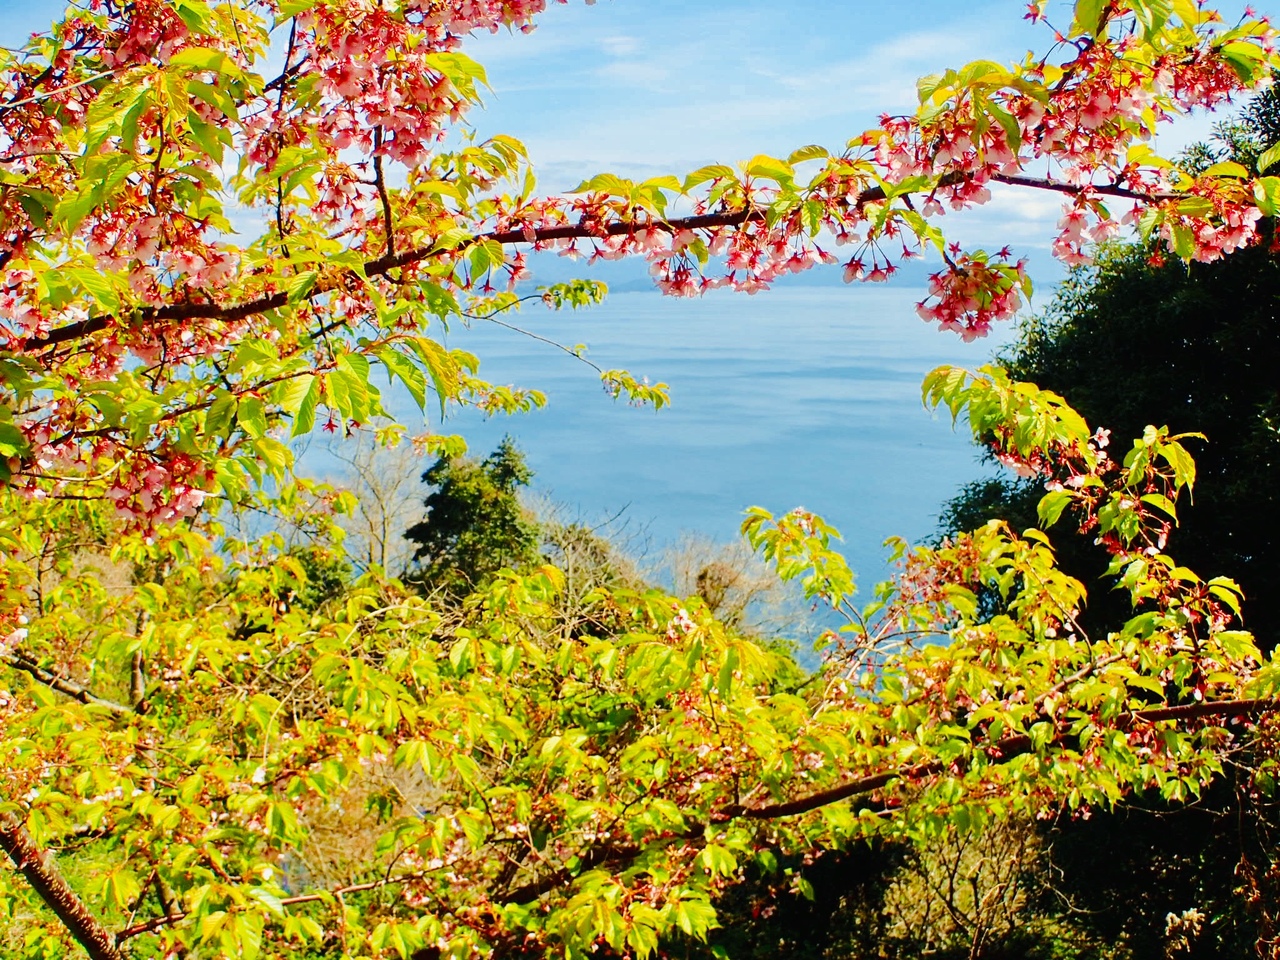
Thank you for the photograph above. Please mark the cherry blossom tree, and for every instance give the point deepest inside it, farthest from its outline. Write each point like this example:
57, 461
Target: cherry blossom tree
535, 784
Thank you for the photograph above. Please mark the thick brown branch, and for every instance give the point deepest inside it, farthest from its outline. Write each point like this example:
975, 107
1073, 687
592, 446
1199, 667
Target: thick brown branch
1223, 708
383, 265
42, 874
1102, 189
54, 682
380, 181
1002, 750
824, 798
592, 858
179, 311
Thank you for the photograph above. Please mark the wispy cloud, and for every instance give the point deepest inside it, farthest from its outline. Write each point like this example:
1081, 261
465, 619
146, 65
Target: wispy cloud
660, 87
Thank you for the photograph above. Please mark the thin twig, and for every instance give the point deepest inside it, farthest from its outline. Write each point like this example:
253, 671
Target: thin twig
53, 93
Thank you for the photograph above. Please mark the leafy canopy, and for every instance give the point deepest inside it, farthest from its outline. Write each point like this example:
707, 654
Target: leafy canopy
1132, 339
529, 782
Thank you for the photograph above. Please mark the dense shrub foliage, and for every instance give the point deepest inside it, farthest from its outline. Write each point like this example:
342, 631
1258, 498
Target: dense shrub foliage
223, 746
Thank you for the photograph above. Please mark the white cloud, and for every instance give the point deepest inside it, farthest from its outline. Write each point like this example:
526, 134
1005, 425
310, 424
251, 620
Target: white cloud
671, 91
620, 45
638, 75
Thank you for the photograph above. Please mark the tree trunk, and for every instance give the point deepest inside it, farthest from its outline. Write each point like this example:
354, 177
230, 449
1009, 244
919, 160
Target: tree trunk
41, 872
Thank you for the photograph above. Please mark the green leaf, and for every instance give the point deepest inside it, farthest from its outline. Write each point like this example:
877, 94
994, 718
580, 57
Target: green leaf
207, 58
1269, 158
486, 256
1161, 502
1184, 465
1088, 17
220, 416
717, 860
812, 152
252, 354
462, 71
1184, 240
1195, 207
1267, 192
206, 136
1237, 644
725, 680
1248, 60
1152, 15
13, 443
291, 8
251, 414
38, 205
1227, 168
194, 13
351, 387
290, 394
75, 207
409, 373
770, 168
1188, 11
606, 183
667, 182
1008, 122
1051, 506
981, 72
215, 97
716, 171
300, 287
248, 934
304, 417
441, 367
122, 887
695, 918
1230, 598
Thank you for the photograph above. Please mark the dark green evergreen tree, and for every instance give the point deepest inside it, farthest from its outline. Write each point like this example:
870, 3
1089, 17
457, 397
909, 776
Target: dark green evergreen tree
1131, 341
475, 524
1198, 349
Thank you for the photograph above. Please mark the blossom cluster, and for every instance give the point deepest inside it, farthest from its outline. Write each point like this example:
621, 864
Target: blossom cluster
974, 293
148, 272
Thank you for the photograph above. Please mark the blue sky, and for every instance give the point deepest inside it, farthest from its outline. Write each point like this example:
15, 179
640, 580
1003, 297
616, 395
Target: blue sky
663, 86
644, 87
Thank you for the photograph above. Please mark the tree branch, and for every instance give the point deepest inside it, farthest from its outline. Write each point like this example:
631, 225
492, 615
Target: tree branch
1104, 189
1001, 752
380, 181
380, 266
1004, 750
69, 687
42, 874
157, 923
36, 98
589, 860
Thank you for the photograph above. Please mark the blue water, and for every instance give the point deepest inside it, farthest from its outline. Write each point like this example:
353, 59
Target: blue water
798, 397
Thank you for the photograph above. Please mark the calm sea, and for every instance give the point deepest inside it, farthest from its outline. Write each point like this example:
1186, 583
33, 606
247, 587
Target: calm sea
798, 397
